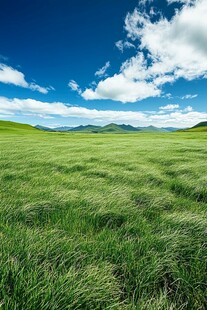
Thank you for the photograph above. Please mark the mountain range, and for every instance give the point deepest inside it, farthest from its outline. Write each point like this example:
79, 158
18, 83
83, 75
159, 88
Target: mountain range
113, 128
8, 126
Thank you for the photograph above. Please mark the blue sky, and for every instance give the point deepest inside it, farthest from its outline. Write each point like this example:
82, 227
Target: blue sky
95, 62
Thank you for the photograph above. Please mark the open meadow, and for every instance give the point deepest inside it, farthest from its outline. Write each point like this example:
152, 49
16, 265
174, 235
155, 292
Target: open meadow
103, 221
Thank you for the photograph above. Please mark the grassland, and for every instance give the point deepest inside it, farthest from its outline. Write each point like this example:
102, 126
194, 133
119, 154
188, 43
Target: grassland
93, 221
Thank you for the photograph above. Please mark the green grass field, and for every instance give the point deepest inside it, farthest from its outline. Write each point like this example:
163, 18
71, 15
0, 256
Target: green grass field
93, 221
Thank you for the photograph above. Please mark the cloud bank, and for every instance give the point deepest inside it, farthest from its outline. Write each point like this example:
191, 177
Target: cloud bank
170, 115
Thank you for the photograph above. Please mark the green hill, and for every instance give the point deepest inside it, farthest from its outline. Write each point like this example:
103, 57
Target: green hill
44, 128
170, 129
200, 127
129, 128
152, 129
110, 128
7, 126
201, 124
113, 128
87, 128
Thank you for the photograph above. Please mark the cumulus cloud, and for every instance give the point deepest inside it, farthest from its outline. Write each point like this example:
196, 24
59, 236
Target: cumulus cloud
102, 71
176, 47
120, 88
170, 107
178, 118
125, 86
167, 51
9, 75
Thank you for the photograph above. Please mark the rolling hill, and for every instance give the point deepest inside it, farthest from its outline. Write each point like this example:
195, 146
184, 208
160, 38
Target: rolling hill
170, 129
152, 129
9, 127
40, 127
129, 127
114, 128
200, 127
62, 128
201, 124
59, 129
87, 128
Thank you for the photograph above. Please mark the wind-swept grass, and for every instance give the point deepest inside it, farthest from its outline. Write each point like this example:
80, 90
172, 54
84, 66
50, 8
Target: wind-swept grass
103, 221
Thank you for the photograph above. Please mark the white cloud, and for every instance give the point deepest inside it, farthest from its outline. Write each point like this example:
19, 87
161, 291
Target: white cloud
40, 89
152, 11
189, 96
9, 75
102, 71
35, 107
122, 45
168, 50
74, 86
144, 2
168, 96
89, 94
121, 88
125, 86
179, 118
181, 1
170, 107
178, 46
31, 107
163, 79
188, 109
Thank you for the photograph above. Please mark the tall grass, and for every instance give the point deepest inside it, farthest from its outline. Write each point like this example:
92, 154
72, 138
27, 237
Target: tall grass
103, 221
